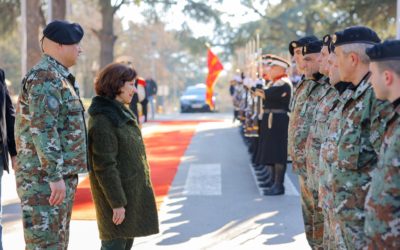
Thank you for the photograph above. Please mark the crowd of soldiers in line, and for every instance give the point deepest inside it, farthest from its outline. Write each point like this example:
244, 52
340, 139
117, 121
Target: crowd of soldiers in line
342, 135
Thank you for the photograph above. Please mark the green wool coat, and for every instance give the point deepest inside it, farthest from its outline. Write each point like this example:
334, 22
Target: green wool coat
120, 175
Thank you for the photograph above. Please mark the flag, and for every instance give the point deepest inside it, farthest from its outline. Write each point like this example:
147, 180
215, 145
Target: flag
214, 68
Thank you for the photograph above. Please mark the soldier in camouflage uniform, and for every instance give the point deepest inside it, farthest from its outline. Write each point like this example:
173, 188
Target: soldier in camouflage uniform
359, 134
51, 139
382, 225
316, 133
324, 124
305, 98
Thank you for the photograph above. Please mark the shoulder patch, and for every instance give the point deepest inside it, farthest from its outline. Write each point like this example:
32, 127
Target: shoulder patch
52, 103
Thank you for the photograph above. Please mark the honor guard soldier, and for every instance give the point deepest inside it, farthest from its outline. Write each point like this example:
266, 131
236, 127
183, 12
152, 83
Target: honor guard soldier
274, 124
382, 225
51, 139
360, 120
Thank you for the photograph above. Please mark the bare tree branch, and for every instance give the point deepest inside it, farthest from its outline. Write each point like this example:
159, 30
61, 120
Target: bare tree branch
96, 32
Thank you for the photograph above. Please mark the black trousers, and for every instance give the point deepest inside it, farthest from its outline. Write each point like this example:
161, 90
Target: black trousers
117, 244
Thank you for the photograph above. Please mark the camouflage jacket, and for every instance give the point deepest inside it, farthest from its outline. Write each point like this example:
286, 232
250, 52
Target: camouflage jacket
318, 128
301, 116
382, 223
362, 123
328, 151
50, 127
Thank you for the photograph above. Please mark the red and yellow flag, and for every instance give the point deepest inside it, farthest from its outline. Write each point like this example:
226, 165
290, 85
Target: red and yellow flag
214, 68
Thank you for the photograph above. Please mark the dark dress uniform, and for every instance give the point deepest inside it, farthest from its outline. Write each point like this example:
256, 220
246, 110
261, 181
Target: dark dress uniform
274, 124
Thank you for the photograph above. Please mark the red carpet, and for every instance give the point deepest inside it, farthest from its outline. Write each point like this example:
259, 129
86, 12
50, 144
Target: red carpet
164, 151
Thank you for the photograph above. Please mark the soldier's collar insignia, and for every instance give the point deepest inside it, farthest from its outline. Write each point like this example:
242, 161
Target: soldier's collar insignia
334, 39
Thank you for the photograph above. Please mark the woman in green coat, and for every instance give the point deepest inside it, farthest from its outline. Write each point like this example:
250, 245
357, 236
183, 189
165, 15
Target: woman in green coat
120, 178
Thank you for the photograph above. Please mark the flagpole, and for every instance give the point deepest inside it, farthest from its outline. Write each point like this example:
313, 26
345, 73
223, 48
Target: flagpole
398, 20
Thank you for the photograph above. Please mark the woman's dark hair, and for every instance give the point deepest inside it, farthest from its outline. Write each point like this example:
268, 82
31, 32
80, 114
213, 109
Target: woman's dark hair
112, 78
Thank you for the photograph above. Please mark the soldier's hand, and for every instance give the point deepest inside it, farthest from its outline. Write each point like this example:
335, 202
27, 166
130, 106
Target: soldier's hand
118, 215
260, 93
57, 192
14, 162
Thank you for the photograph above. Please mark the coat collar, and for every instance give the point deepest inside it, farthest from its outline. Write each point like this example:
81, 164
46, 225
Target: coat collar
60, 68
362, 86
114, 110
397, 109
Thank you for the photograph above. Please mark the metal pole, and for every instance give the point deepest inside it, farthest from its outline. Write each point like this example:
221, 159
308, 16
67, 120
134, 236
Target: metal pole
50, 11
24, 44
398, 20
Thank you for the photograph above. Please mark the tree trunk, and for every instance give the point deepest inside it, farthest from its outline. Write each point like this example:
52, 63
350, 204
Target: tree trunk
106, 33
59, 8
33, 29
309, 25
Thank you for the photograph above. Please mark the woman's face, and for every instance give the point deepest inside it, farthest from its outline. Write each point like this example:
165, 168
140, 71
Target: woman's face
127, 92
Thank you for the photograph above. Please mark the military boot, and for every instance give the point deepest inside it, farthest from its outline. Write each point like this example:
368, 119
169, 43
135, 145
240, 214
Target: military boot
277, 188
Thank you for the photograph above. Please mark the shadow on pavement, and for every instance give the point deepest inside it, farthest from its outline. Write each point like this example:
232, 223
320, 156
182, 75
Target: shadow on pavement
240, 210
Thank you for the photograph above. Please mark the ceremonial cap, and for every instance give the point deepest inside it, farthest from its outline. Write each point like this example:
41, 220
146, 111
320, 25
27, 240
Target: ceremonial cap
355, 34
386, 51
278, 61
63, 32
266, 59
300, 43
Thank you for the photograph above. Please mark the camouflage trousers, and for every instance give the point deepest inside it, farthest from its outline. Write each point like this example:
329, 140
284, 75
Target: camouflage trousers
353, 233
45, 226
333, 238
312, 215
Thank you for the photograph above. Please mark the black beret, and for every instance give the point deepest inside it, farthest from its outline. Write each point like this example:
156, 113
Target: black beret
388, 50
312, 47
355, 34
300, 43
2, 77
63, 32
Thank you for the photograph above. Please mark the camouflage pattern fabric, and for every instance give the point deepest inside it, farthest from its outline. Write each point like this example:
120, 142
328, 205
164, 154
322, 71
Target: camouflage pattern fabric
317, 132
312, 215
45, 226
382, 222
328, 160
50, 136
298, 127
362, 121
333, 238
306, 96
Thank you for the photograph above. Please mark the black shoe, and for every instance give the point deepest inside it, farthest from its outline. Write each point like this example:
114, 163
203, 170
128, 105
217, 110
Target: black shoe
266, 184
274, 190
